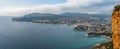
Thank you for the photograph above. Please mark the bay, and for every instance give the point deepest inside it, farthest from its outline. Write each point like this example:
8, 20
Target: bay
26, 35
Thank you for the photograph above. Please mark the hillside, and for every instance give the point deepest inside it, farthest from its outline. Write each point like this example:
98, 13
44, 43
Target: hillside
65, 18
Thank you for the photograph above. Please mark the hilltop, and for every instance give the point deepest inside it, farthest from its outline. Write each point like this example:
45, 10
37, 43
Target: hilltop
65, 18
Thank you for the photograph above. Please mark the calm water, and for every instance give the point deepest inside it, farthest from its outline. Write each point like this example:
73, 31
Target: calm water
23, 35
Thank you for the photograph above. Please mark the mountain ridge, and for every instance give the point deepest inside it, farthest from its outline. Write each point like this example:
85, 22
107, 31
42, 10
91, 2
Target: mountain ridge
64, 17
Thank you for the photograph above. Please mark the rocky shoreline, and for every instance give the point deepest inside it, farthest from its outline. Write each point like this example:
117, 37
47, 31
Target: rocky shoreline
98, 31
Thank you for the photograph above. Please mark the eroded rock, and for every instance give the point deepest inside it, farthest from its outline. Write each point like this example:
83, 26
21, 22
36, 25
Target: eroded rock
116, 27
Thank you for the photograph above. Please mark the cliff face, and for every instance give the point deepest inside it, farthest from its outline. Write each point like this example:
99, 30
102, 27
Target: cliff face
116, 27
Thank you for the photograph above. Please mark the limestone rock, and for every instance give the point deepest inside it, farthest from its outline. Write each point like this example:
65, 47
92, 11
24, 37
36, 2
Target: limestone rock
116, 27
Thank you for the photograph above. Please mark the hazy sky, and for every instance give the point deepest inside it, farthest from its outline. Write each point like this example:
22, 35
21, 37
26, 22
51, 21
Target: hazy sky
22, 7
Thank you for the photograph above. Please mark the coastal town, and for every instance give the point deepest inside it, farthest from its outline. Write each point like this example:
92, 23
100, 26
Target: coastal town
96, 25
95, 30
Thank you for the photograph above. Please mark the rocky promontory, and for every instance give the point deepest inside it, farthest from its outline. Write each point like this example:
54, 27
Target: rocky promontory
116, 27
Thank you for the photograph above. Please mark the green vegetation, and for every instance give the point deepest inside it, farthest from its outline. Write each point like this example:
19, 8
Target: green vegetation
107, 45
117, 8
81, 28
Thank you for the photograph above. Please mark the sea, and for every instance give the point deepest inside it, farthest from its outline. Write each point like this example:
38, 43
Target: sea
27, 35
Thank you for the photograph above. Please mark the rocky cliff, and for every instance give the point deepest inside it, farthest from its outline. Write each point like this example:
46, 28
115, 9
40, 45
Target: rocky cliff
116, 27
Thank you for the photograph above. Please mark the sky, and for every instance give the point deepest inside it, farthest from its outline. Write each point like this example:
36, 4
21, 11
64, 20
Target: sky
23, 7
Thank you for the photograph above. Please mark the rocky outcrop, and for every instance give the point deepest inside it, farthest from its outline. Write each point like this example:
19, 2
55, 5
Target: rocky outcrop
116, 27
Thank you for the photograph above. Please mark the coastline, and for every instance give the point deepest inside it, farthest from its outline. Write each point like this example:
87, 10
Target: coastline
92, 45
104, 45
85, 47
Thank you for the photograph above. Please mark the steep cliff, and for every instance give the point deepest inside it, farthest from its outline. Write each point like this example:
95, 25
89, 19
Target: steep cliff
116, 27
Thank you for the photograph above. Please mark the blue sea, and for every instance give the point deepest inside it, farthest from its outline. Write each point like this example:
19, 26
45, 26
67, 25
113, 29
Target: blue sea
26, 35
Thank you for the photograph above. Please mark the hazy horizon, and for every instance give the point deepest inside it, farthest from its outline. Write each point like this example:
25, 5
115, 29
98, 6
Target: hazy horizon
58, 24
22, 7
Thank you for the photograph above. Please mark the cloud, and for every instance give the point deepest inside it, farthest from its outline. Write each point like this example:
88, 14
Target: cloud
78, 6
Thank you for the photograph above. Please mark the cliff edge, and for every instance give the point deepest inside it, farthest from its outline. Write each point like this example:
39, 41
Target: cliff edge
116, 27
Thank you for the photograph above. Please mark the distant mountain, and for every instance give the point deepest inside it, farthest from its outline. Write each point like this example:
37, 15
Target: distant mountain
62, 17
38, 16
101, 16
